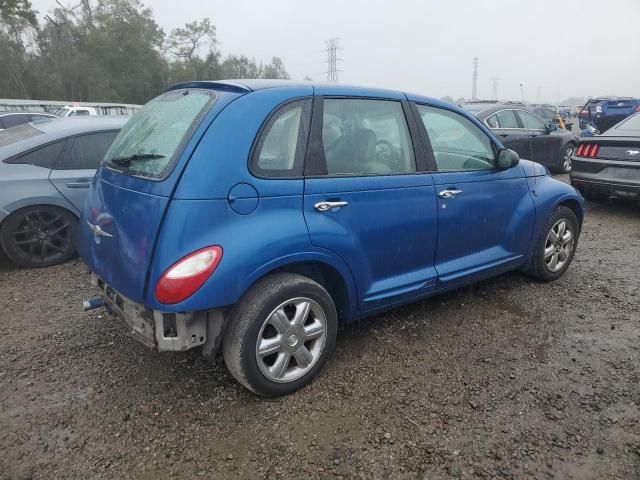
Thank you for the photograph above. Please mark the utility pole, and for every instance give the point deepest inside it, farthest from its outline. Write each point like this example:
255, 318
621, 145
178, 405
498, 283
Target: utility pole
474, 90
333, 45
494, 88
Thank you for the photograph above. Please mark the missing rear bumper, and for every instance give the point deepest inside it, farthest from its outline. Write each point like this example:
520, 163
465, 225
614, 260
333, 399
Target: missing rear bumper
165, 331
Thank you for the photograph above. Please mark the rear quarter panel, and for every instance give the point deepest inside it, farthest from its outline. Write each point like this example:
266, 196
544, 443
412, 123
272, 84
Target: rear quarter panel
274, 235
25, 185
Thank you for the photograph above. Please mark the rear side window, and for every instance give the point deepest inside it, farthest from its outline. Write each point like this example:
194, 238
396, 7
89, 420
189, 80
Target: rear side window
530, 121
457, 143
86, 151
41, 157
280, 150
149, 144
366, 137
503, 119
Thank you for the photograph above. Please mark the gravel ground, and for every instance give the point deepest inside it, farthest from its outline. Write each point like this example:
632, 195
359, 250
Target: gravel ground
508, 378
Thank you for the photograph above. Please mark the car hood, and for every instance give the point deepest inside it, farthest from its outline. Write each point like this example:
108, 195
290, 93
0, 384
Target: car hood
533, 169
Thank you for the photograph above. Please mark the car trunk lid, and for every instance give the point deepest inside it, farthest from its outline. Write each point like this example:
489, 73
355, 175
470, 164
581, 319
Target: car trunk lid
129, 196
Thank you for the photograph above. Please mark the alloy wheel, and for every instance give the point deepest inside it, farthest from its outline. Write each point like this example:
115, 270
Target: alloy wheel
559, 245
566, 159
43, 236
291, 340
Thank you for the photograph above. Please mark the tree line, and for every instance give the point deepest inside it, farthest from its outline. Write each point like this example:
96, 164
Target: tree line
109, 51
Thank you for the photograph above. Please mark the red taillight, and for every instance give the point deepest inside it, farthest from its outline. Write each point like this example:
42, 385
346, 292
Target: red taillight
187, 275
638, 108
584, 114
587, 150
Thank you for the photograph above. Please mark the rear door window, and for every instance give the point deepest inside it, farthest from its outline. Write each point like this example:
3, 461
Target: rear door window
86, 151
149, 144
366, 137
530, 121
504, 119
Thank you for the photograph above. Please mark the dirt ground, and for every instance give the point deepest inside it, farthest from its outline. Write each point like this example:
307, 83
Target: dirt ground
509, 378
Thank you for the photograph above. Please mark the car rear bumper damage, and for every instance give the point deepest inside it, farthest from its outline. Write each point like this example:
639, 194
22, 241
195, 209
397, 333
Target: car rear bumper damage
163, 331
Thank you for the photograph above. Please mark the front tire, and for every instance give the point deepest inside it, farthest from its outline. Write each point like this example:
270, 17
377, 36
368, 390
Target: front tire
281, 333
556, 245
38, 236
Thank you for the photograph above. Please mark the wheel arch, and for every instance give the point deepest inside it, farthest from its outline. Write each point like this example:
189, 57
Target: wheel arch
322, 268
575, 207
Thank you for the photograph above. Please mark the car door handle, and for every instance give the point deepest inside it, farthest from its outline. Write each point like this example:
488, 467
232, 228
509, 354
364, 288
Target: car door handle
86, 184
449, 193
327, 205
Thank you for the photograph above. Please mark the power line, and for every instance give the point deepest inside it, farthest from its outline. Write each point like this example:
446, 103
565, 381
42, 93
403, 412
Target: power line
474, 90
333, 45
494, 88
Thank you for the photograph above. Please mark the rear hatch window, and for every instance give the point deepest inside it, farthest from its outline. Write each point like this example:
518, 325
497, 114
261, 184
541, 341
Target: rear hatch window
150, 143
17, 134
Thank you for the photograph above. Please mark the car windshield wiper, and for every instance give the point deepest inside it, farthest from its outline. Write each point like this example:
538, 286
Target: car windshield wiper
136, 156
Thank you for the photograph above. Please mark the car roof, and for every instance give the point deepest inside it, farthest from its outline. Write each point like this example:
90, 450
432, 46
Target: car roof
320, 88
58, 128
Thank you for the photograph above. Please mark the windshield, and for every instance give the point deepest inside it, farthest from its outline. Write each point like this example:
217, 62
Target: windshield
61, 111
18, 133
149, 143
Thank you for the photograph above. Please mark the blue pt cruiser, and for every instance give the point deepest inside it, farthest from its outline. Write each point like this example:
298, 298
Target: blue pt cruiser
256, 216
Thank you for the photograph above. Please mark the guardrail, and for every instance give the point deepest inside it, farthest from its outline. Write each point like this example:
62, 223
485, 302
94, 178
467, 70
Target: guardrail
17, 105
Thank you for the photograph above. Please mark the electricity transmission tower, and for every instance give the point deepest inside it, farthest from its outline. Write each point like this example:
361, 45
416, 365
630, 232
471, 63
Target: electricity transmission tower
474, 90
494, 88
333, 45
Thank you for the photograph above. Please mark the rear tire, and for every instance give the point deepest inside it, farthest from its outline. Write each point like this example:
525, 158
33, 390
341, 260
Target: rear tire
556, 245
38, 236
280, 335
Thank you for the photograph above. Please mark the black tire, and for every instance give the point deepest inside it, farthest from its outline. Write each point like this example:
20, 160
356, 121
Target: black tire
540, 269
246, 326
38, 236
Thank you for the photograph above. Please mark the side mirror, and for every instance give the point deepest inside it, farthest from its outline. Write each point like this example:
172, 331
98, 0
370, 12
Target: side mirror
551, 127
507, 158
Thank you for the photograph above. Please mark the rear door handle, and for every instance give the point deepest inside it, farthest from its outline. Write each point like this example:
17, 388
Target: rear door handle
327, 205
86, 184
449, 193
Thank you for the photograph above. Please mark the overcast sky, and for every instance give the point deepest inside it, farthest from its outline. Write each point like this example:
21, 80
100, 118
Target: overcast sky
561, 47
